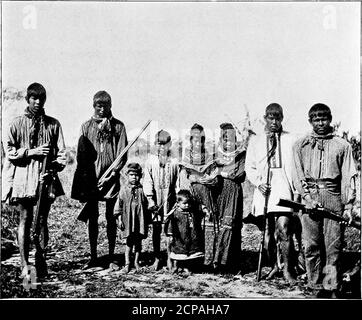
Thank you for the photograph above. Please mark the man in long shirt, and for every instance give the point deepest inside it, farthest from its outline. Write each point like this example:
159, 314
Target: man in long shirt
324, 176
102, 139
32, 138
276, 144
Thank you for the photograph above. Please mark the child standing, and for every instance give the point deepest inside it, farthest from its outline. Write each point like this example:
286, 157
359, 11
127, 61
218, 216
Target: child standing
161, 173
183, 228
131, 210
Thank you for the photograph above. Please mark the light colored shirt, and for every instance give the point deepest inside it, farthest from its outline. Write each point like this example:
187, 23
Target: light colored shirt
160, 182
256, 168
23, 175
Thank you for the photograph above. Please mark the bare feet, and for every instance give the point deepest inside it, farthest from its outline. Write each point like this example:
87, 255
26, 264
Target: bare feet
272, 273
113, 266
187, 271
289, 278
25, 272
137, 266
169, 264
126, 268
156, 265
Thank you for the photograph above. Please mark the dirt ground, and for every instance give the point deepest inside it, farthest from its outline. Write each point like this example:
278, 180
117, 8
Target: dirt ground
69, 251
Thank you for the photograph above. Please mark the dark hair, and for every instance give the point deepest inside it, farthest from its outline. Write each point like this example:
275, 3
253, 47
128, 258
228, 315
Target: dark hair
319, 109
184, 195
134, 167
162, 137
226, 126
103, 97
274, 109
36, 90
200, 128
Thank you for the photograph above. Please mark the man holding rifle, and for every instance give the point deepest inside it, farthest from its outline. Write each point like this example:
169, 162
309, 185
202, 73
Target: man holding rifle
35, 146
324, 176
102, 139
269, 168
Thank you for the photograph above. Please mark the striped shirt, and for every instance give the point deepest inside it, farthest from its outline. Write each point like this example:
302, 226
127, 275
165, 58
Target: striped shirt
329, 158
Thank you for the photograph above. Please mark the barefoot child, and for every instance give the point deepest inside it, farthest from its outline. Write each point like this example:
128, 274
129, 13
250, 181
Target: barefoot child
131, 211
184, 232
159, 183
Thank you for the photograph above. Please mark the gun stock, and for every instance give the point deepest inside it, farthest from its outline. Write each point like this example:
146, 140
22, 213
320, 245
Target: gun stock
116, 162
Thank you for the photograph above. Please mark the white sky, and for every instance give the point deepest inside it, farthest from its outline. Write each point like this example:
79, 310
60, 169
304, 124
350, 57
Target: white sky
181, 63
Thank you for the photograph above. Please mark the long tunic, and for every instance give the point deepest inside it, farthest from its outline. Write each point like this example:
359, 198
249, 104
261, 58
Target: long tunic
185, 227
94, 157
280, 173
230, 207
160, 182
329, 159
22, 172
131, 207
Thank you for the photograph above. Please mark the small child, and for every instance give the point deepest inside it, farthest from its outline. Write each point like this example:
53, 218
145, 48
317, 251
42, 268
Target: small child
159, 184
184, 232
131, 211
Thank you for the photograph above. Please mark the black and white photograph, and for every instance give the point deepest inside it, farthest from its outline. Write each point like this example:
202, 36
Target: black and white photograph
203, 151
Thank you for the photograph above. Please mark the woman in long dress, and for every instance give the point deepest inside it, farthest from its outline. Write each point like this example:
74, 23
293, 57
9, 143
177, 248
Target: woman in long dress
230, 161
198, 175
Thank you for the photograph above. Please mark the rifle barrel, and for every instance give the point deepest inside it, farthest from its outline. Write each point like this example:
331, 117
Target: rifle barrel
39, 202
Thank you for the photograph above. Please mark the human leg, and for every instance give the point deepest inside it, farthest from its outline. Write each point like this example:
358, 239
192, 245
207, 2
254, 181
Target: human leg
26, 217
42, 242
285, 239
137, 249
111, 227
333, 239
169, 262
312, 238
156, 239
93, 232
127, 257
270, 246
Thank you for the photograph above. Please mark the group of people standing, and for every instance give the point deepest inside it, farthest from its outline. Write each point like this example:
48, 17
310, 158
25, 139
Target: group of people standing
196, 202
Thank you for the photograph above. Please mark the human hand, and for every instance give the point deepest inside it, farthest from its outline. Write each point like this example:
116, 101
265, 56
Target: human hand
192, 178
203, 180
42, 150
311, 204
224, 174
44, 177
111, 176
347, 214
152, 205
265, 189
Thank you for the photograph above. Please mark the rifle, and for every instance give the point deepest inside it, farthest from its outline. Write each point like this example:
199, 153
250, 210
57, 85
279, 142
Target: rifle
261, 247
42, 191
270, 153
102, 186
325, 213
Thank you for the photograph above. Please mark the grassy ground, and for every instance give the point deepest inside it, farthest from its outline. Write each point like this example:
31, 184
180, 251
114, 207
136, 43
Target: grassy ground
69, 251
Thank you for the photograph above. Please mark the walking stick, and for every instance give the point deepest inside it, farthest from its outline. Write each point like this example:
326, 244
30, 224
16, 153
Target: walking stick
269, 155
